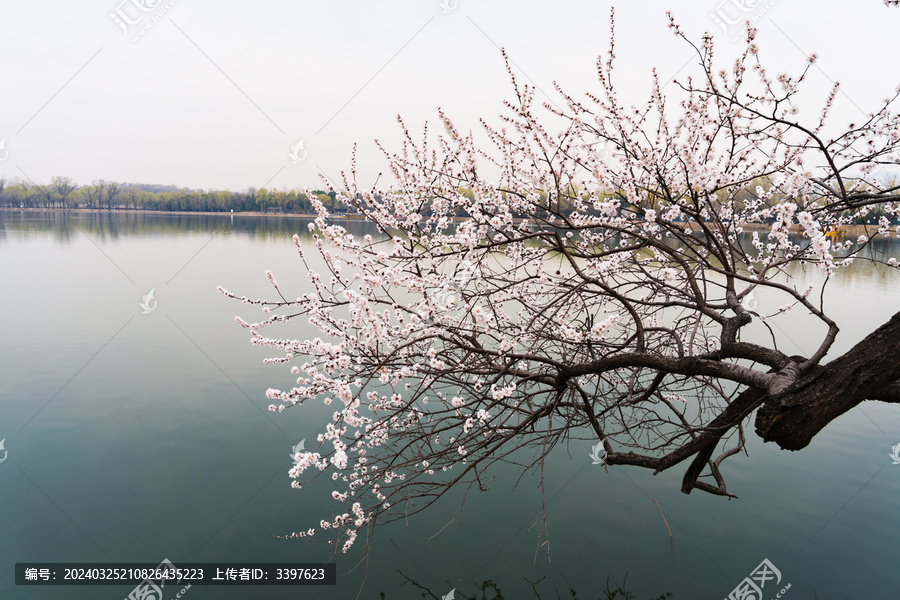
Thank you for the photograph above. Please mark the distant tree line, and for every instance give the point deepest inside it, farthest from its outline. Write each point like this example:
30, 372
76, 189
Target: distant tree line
63, 193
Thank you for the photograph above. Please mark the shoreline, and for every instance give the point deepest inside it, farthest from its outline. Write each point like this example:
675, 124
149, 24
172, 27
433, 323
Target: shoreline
853, 230
138, 211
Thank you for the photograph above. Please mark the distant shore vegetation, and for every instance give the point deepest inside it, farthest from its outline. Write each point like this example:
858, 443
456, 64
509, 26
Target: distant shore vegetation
62, 193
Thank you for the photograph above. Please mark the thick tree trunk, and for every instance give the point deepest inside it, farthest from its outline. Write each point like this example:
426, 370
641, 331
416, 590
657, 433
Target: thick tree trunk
870, 370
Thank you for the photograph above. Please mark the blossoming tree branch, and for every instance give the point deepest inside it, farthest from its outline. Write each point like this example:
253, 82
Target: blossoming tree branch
586, 273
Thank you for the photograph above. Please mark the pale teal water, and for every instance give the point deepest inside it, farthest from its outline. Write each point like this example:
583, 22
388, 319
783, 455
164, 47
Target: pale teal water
137, 437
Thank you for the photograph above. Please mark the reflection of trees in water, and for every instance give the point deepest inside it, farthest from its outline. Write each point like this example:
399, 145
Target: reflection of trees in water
881, 248
66, 226
116, 224
488, 590
104, 225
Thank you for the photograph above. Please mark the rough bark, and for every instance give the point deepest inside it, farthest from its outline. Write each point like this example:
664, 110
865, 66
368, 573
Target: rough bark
870, 370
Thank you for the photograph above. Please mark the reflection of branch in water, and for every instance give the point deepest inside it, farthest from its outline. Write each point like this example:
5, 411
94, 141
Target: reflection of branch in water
610, 593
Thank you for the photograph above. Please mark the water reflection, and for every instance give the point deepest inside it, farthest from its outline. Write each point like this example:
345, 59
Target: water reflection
490, 590
106, 225
66, 226
153, 397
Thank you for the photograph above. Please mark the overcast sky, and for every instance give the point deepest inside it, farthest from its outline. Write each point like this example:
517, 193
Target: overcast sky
214, 94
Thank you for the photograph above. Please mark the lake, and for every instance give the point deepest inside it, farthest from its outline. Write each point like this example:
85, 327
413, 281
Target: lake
135, 437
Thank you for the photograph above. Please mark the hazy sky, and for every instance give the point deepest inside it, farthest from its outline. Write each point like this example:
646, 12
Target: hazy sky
214, 94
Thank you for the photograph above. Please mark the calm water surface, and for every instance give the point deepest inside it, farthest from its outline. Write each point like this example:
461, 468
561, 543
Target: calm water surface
135, 437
